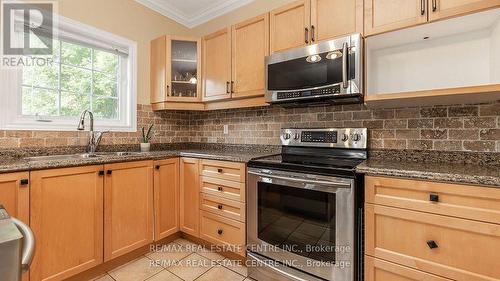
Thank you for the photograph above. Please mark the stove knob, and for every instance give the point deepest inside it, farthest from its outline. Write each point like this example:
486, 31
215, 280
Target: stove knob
287, 136
345, 137
356, 137
296, 136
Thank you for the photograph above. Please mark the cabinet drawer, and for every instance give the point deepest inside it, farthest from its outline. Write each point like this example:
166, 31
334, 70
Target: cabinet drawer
223, 232
454, 248
223, 170
224, 207
470, 202
380, 270
223, 188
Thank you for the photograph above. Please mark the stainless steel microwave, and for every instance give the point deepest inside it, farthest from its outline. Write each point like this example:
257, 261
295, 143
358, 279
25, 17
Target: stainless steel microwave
327, 72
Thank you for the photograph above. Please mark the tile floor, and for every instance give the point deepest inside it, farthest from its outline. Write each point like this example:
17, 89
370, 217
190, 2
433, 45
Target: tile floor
177, 261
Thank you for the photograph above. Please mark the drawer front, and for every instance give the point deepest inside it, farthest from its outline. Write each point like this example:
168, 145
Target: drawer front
222, 231
380, 270
223, 170
450, 247
469, 202
223, 188
223, 207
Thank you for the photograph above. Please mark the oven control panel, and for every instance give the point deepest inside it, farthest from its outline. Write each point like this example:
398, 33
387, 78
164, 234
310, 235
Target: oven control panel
333, 137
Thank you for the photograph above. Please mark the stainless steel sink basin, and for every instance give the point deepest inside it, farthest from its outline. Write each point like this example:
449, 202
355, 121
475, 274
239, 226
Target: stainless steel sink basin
61, 157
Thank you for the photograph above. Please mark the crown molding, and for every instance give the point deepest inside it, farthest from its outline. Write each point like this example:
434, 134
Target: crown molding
192, 20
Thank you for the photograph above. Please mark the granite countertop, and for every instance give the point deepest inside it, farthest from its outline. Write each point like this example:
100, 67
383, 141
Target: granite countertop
16, 164
466, 173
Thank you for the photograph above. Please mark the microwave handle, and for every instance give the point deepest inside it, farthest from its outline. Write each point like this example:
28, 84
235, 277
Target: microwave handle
345, 56
28, 244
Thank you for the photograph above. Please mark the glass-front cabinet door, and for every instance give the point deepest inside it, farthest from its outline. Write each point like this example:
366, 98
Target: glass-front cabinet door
183, 69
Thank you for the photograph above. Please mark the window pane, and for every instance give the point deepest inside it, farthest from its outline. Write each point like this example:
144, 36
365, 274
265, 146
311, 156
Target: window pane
75, 80
73, 104
106, 62
76, 55
41, 76
104, 85
39, 101
105, 108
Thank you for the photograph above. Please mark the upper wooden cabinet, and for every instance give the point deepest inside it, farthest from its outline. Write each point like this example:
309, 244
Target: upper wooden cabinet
128, 207
250, 46
175, 64
387, 15
217, 65
189, 196
67, 220
309, 21
166, 197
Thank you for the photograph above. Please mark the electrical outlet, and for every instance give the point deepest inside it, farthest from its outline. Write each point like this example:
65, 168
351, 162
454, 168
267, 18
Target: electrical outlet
226, 129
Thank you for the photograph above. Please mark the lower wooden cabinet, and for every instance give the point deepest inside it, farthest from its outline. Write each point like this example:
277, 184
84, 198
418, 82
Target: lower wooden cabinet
128, 207
67, 220
380, 270
223, 232
189, 196
166, 197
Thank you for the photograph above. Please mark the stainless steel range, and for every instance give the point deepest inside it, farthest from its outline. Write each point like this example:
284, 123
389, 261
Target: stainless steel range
303, 209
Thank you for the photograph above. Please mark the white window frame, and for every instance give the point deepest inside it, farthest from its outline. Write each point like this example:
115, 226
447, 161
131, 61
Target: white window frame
10, 85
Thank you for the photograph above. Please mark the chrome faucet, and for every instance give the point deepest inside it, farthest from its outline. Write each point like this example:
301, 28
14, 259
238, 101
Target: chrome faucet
94, 137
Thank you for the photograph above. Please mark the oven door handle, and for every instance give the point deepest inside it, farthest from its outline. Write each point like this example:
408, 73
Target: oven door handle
309, 181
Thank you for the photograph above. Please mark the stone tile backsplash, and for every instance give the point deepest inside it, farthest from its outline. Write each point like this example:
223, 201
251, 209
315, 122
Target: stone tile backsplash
447, 128
444, 128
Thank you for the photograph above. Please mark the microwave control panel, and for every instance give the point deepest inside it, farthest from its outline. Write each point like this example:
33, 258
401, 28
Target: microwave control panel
309, 93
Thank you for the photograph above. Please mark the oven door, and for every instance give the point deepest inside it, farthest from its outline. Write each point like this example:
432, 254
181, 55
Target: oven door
303, 221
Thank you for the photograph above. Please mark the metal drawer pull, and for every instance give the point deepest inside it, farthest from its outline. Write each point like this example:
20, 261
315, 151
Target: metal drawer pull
432, 244
312, 33
434, 5
422, 7
434, 197
157, 167
24, 182
101, 173
219, 207
220, 171
219, 231
306, 35
219, 188
109, 172
227, 87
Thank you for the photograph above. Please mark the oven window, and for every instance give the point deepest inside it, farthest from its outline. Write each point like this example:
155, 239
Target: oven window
297, 220
299, 74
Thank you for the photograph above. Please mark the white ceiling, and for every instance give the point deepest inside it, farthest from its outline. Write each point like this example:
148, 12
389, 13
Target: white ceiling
193, 12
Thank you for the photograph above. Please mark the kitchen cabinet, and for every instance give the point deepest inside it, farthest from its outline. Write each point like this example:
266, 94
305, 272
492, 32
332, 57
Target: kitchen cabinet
310, 21
380, 270
128, 207
166, 197
436, 220
217, 65
175, 69
67, 220
15, 195
189, 196
388, 15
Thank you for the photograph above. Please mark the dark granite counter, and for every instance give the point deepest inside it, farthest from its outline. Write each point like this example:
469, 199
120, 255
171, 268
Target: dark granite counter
469, 168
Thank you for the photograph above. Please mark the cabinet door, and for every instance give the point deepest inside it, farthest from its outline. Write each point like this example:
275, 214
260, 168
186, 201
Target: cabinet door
250, 48
15, 196
380, 270
217, 65
128, 207
190, 196
159, 70
183, 63
386, 15
290, 26
67, 220
334, 18
166, 198
440, 9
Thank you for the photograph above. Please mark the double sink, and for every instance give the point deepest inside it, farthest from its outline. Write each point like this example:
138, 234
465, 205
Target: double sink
80, 156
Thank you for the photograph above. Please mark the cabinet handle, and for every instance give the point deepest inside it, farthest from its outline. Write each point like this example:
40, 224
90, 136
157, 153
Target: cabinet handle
219, 207
433, 197
109, 172
422, 7
168, 91
220, 171
306, 35
313, 36
227, 87
101, 173
24, 182
220, 188
345, 70
219, 231
157, 167
232, 86
432, 244
434, 5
